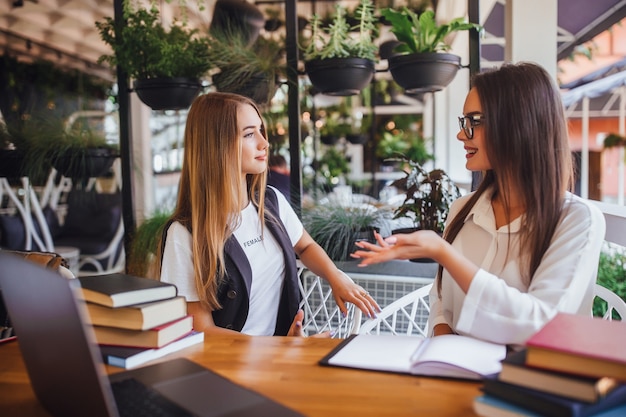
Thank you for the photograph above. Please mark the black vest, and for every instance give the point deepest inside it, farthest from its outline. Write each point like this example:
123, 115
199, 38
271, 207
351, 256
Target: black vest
233, 292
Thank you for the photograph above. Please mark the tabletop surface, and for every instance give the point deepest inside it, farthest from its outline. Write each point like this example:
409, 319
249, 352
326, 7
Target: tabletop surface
285, 369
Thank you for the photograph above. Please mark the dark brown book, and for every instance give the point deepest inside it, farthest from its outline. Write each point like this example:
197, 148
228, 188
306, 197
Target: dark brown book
515, 371
120, 290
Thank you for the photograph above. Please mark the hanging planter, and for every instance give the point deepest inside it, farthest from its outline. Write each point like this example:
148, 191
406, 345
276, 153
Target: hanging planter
339, 58
329, 139
167, 63
340, 76
258, 87
357, 138
424, 72
418, 62
11, 162
85, 163
164, 93
253, 70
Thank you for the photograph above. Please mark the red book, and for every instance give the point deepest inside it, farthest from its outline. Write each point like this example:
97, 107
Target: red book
581, 345
152, 338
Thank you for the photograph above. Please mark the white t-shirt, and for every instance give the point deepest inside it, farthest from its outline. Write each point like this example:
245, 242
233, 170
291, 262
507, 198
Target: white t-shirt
264, 255
499, 306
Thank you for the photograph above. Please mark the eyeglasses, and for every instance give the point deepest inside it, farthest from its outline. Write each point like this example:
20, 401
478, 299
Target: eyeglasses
468, 123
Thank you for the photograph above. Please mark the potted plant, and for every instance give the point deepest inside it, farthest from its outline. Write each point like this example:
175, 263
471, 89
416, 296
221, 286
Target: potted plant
613, 140
336, 227
253, 70
82, 153
419, 62
428, 196
338, 61
144, 244
334, 128
333, 166
40, 143
166, 64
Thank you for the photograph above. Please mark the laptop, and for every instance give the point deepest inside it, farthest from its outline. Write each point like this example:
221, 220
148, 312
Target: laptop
67, 373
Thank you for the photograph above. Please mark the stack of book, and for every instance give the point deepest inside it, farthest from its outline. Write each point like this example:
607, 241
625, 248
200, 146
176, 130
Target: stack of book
136, 319
575, 366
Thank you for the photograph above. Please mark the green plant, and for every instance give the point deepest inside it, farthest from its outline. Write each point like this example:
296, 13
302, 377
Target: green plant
240, 62
144, 244
428, 196
422, 33
337, 41
43, 141
612, 275
143, 48
391, 145
335, 227
333, 165
613, 140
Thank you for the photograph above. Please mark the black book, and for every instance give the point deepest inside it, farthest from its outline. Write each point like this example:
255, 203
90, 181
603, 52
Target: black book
119, 290
550, 405
515, 371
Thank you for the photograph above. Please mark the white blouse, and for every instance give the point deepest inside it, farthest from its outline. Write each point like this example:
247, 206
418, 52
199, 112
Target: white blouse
499, 306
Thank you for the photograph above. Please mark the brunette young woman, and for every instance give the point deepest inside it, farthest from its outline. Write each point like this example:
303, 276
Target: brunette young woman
521, 247
231, 244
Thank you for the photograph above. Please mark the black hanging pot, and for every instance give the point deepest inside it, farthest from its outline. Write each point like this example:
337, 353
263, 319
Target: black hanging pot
11, 164
175, 93
329, 139
85, 163
340, 76
424, 72
357, 138
258, 86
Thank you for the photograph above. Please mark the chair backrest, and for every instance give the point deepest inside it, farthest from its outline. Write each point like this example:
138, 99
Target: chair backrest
407, 316
321, 313
613, 303
615, 218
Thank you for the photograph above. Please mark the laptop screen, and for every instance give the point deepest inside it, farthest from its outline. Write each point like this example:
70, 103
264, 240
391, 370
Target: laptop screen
60, 353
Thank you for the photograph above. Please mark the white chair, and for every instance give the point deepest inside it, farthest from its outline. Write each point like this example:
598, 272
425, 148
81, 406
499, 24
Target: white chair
615, 218
613, 301
407, 316
320, 310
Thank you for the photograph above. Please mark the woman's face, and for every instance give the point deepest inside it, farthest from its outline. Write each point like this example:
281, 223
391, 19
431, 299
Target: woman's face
475, 148
253, 143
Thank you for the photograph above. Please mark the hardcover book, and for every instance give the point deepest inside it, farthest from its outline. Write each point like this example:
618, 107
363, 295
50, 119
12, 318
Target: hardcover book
138, 316
451, 356
119, 290
490, 406
152, 338
550, 405
582, 345
515, 371
131, 357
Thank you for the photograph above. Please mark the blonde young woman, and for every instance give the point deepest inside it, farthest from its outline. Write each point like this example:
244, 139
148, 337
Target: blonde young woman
521, 247
231, 243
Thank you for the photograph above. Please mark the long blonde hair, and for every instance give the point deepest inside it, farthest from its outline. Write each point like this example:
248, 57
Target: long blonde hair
210, 194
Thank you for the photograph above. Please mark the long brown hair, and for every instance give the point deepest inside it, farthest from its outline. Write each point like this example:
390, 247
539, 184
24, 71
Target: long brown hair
527, 145
210, 195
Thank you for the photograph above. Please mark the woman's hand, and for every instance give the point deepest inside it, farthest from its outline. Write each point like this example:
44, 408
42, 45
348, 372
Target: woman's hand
420, 244
296, 327
347, 291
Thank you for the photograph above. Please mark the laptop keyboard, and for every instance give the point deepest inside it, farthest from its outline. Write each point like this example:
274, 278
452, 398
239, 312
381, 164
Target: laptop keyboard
135, 399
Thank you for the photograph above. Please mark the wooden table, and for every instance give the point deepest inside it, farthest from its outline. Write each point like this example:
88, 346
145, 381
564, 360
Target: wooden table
285, 369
